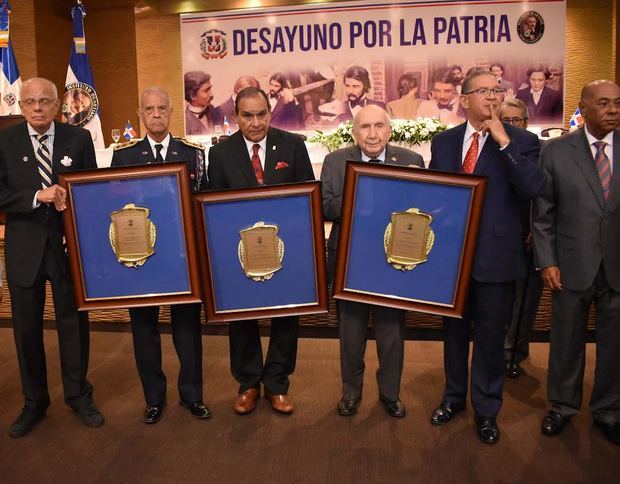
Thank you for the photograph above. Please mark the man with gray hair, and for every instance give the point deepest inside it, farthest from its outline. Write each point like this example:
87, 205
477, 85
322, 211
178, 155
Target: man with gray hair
30, 162
371, 131
529, 288
158, 146
199, 112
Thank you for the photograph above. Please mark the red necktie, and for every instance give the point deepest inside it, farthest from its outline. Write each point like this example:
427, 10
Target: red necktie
258, 169
469, 163
603, 167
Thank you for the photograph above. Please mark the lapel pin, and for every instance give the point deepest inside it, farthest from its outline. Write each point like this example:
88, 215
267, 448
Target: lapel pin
393, 158
25, 158
174, 153
273, 147
145, 152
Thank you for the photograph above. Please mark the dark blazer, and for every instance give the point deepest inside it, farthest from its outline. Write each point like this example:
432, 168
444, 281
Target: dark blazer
332, 183
28, 230
141, 153
285, 115
549, 107
573, 227
513, 176
286, 161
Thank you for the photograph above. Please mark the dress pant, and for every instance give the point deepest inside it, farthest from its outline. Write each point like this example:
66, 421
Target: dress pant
187, 339
527, 298
27, 305
488, 307
246, 354
389, 325
567, 350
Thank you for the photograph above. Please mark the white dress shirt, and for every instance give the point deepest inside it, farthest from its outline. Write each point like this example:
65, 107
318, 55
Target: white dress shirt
262, 151
609, 147
165, 143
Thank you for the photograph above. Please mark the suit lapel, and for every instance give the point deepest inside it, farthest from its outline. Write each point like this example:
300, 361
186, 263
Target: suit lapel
26, 156
272, 150
457, 146
614, 196
488, 150
582, 156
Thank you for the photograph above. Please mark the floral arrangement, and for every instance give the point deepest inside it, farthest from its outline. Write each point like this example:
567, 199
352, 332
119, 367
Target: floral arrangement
408, 131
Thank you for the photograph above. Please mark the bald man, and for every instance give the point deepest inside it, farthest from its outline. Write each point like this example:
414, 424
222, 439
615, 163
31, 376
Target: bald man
227, 108
371, 131
576, 229
30, 162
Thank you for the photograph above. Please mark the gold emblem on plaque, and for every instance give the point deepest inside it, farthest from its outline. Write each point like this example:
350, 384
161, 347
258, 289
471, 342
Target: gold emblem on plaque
408, 239
260, 251
132, 235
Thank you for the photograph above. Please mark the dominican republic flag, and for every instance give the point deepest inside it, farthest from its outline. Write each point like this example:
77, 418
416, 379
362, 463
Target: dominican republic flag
10, 82
80, 105
577, 120
129, 133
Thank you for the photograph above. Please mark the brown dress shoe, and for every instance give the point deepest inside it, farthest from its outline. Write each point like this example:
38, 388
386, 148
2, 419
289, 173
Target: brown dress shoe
281, 403
246, 401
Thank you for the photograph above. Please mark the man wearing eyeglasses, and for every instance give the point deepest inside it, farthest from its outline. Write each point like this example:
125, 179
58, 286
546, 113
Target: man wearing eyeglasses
32, 155
507, 157
529, 288
159, 146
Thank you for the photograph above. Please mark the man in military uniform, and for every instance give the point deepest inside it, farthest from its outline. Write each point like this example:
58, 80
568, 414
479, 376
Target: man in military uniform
158, 146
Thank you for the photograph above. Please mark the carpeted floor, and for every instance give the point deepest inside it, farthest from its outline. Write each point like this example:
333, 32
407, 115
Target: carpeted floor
313, 445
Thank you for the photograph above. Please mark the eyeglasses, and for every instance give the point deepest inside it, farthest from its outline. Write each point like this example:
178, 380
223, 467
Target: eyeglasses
516, 120
485, 91
44, 102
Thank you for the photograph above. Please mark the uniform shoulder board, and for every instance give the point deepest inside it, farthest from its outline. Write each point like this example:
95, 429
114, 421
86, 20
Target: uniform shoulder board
199, 146
129, 144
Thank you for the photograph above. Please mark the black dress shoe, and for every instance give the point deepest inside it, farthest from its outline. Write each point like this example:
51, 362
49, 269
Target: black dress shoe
488, 431
553, 423
446, 412
610, 430
348, 408
197, 409
26, 421
90, 415
394, 408
513, 370
153, 413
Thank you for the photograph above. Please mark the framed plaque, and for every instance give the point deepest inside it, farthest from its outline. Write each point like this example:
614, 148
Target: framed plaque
408, 237
130, 236
262, 251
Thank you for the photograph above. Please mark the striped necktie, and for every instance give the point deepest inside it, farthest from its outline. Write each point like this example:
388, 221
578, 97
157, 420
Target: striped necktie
603, 167
44, 162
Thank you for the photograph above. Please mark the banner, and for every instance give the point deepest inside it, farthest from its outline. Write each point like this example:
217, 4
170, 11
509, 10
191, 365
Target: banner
322, 63
80, 105
10, 81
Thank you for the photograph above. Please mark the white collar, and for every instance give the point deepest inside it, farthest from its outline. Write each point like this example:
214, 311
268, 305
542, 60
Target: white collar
165, 142
50, 131
609, 137
470, 130
262, 143
380, 157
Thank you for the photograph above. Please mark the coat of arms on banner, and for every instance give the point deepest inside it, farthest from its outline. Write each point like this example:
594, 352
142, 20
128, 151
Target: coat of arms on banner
213, 44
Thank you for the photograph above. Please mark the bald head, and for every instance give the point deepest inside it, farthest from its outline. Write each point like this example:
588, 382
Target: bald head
600, 107
372, 130
39, 82
245, 81
157, 91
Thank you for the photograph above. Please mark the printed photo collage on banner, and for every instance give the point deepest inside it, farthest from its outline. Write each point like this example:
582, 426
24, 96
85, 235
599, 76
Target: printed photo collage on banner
320, 64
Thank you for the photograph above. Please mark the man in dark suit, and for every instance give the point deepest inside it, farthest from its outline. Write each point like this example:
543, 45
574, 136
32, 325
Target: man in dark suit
32, 154
260, 155
158, 146
226, 110
508, 157
543, 103
371, 131
576, 227
284, 109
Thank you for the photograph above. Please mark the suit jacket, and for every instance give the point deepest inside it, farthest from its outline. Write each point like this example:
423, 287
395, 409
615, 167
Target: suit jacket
345, 110
513, 177
549, 107
194, 126
226, 109
28, 229
573, 227
141, 153
332, 181
230, 165
285, 115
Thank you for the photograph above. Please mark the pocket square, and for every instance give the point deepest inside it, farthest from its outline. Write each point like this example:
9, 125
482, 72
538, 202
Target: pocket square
281, 164
66, 161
